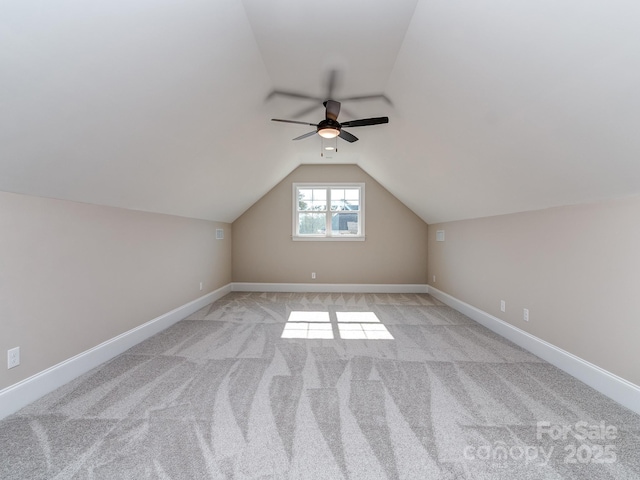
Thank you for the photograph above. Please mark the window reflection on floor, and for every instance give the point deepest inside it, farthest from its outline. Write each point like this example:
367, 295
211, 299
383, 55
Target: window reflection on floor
359, 317
307, 330
308, 317
308, 325
351, 326
364, 331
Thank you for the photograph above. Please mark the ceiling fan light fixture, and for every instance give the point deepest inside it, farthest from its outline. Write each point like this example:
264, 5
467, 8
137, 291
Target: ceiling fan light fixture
329, 132
328, 128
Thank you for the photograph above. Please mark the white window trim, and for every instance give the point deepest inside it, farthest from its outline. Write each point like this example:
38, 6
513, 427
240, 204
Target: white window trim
326, 238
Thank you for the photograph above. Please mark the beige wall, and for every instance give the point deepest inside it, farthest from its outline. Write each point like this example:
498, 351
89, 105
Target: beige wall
394, 252
577, 270
74, 275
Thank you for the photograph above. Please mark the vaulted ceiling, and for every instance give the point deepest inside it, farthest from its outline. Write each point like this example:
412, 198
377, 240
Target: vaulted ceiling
161, 105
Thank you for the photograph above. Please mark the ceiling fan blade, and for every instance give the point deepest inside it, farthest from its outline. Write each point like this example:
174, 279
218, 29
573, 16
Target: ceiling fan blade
368, 97
346, 112
347, 136
365, 121
332, 80
305, 135
293, 121
307, 110
285, 93
333, 109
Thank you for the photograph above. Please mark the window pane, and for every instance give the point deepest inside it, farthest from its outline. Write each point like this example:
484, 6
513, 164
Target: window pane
352, 194
312, 223
344, 223
304, 198
312, 199
352, 198
337, 199
337, 194
345, 199
319, 199
320, 194
352, 205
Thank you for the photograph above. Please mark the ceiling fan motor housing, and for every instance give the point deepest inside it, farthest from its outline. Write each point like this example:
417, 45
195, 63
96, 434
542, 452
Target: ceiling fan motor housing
328, 123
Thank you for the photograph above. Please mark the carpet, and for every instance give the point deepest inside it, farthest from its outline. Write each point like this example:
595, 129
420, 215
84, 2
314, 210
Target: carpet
362, 386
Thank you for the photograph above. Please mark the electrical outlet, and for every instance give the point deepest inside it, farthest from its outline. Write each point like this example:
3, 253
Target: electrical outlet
525, 314
313, 275
434, 279
503, 306
13, 357
200, 285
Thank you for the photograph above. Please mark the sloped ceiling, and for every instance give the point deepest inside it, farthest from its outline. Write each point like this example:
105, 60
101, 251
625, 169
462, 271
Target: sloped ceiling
498, 106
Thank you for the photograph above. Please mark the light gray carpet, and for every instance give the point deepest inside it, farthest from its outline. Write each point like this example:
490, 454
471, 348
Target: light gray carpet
222, 395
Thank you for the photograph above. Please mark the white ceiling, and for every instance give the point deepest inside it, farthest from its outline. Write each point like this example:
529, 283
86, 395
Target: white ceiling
159, 105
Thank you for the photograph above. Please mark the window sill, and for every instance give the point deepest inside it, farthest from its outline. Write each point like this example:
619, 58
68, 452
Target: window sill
328, 239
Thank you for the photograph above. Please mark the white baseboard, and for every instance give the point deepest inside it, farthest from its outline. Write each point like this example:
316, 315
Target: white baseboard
329, 287
18, 395
614, 387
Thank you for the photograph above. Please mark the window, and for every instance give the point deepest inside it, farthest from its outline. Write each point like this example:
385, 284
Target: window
328, 212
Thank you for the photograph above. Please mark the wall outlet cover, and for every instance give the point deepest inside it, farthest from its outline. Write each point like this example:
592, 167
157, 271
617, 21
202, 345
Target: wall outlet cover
13, 357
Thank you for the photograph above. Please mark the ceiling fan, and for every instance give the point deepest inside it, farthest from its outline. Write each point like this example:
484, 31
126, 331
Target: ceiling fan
331, 128
332, 83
